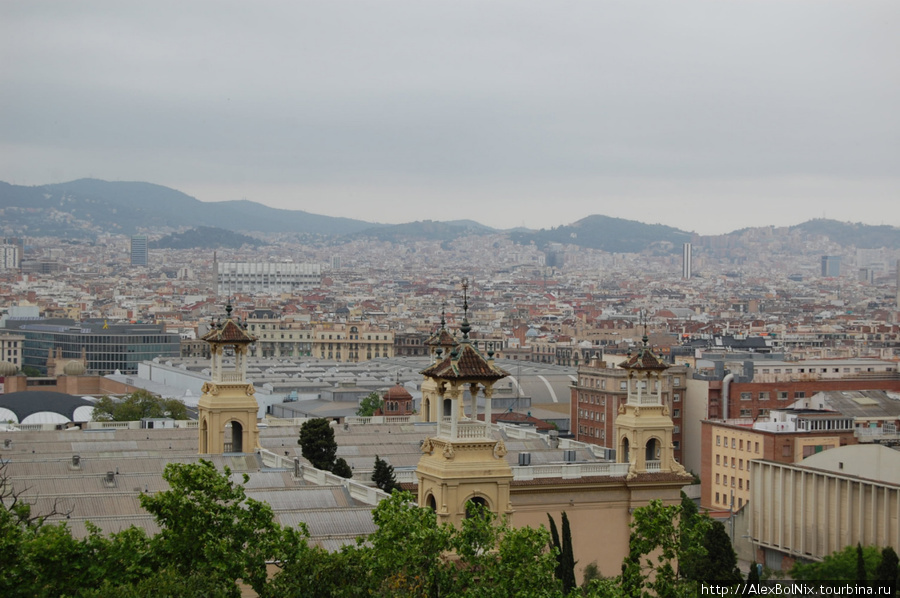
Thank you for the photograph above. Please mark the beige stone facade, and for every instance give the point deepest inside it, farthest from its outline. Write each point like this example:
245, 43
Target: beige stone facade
810, 510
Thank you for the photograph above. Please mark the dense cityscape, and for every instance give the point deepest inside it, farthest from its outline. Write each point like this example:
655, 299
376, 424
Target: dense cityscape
786, 343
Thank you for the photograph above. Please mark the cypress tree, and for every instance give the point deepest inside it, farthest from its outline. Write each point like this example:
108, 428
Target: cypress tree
888, 570
568, 557
554, 538
383, 475
860, 565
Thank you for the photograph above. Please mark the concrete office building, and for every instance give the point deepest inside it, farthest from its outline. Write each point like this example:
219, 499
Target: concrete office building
139, 250
833, 499
265, 277
831, 266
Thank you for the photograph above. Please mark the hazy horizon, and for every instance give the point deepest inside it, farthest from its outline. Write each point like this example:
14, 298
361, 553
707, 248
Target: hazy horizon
701, 115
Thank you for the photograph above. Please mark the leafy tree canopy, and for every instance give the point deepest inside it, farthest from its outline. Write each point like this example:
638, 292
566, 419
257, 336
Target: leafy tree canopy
369, 405
838, 566
138, 405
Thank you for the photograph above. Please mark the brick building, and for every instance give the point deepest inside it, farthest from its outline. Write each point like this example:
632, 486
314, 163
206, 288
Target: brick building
602, 387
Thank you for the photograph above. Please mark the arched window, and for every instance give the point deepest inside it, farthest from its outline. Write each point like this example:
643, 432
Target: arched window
476, 506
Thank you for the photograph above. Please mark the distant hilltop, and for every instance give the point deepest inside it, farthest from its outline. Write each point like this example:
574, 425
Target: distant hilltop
85, 208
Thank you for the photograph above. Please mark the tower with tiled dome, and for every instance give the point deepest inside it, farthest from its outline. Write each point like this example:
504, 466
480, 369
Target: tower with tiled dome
644, 426
227, 410
462, 462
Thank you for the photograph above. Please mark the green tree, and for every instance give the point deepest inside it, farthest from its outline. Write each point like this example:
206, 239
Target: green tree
753, 574
861, 577
565, 557
342, 468
839, 566
317, 443
138, 405
888, 570
210, 529
369, 405
31, 371
659, 541
383, 475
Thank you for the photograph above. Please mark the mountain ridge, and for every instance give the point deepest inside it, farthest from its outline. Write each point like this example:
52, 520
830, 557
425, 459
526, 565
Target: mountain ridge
86, 208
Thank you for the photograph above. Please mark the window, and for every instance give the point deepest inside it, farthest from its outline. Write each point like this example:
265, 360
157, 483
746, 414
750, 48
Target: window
717, 478
764, 396
786, 450
717, 497
676, 445
623, 385
732, 443
745, 396
740, 484
676, 381
756, 447
741, 464
718, 440
717, 459
740, 445
676, 413
765, 370
676, 397
740, 502
782, 395
676, 430
747, 484
746, 413
799, 394
789, 370
777, 370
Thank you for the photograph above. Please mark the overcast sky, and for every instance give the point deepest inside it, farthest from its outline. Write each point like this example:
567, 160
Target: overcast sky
708, 116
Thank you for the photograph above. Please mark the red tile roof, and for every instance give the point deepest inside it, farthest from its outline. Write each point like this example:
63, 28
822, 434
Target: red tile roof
465, 363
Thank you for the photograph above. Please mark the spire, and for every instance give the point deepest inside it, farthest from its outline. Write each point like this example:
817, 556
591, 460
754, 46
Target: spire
465, 328
645, 338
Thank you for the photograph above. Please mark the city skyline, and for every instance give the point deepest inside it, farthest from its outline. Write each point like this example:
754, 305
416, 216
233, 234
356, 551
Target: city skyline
704, 116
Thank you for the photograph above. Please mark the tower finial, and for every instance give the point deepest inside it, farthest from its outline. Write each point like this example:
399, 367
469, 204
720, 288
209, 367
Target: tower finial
465, 328
443, 320
645, 339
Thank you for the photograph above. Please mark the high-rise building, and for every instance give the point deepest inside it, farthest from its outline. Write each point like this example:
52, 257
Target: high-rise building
9, 257
686, 258
12, 251
831, 266
139, 250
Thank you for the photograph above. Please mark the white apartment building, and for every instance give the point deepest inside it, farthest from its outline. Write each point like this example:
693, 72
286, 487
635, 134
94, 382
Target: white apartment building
266, 277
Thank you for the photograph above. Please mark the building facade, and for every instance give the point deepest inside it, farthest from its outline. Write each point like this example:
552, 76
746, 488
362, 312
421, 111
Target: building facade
107, 347
139, 250
602, 387
234, 278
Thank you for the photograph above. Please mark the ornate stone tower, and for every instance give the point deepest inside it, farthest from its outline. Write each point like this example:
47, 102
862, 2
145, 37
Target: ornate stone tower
228, 408
440, 344
463, 462
643, 425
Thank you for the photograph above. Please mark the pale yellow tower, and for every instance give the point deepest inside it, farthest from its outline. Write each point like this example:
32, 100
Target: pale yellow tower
228, 409
441, 343
463, 462
644, 425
